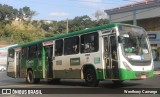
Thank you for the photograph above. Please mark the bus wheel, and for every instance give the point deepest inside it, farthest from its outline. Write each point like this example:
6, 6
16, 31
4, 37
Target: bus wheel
90, 78
117, 82
30, 78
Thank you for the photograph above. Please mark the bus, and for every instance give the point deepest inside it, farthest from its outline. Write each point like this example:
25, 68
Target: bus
115, 52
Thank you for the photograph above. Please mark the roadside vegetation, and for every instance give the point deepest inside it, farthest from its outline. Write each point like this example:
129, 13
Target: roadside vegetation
17, 26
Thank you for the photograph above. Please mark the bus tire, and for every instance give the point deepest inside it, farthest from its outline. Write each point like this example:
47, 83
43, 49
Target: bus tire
90, 78
30, 78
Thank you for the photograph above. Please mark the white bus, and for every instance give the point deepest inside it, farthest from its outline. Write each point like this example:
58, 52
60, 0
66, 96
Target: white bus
116, 52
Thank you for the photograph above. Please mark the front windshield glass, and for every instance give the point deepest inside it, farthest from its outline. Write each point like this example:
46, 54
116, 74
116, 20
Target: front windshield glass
134, 43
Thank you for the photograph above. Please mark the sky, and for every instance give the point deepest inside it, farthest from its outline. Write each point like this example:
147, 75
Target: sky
66, 9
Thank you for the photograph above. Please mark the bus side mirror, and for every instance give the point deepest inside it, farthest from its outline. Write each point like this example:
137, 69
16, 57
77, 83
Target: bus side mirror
120, 39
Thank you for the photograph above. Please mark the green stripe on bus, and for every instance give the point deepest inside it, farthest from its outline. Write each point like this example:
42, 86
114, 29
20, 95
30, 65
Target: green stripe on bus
128, 74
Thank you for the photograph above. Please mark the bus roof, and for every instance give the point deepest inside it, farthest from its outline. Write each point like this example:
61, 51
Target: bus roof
69, 34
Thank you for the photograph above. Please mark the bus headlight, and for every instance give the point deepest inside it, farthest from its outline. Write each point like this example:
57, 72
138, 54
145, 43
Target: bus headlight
127, 66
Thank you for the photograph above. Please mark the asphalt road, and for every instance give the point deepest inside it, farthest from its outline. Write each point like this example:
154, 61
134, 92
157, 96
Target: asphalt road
72, 85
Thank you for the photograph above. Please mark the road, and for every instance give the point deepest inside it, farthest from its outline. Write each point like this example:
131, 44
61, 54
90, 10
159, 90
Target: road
6, 82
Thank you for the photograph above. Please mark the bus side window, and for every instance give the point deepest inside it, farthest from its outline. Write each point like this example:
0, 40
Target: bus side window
67, 46
39, 50
49, 51
71, 45
106, 46
58, 47
25, 53
89, 43
75, 45
32, 51
113, 47
11, 55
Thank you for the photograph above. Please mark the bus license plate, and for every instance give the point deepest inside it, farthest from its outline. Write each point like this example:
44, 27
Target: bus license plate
143, 76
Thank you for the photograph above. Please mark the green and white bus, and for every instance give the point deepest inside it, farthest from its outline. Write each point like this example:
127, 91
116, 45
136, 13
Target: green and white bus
116, 52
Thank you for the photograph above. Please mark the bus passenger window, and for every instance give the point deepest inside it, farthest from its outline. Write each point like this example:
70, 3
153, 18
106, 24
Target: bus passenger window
39, 50
89, 43
113, 47
32, 51
106, 46
71, 45
25, 53
49, 51
58, 47
11, 53
74, 49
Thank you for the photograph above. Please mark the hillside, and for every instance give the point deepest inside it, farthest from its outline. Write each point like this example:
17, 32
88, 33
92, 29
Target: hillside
17, 26
20, 32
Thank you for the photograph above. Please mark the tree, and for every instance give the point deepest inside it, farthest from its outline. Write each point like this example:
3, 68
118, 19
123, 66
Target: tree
45, 27
26, 14
80, 23
100, 15
7, 12
101, 22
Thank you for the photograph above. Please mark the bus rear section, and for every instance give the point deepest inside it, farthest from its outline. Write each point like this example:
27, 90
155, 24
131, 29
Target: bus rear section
13, 65
30, 61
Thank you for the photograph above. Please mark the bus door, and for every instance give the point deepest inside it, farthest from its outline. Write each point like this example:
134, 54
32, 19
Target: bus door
11, 65
17, 61
110, 48
49, 55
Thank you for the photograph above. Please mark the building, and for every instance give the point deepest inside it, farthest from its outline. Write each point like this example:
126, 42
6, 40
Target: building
145, 13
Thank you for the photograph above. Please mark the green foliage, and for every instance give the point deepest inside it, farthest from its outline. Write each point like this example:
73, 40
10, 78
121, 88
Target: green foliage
16, 25
78, 23
20, 32
9, 13
26, 13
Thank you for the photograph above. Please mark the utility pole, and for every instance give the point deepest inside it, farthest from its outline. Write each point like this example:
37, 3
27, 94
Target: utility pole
67, 25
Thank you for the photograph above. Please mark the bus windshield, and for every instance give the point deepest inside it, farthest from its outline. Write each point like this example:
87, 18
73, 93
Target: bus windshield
134, 43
